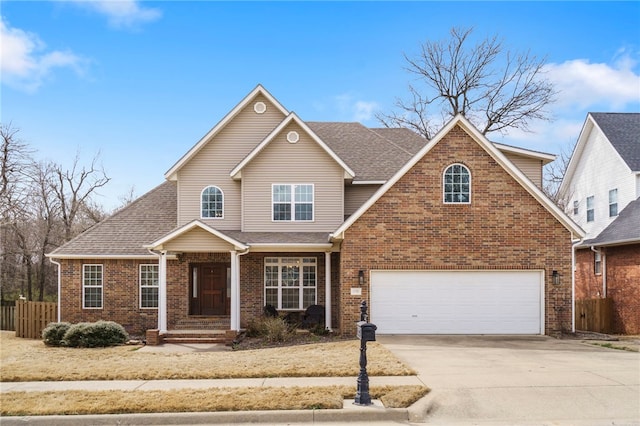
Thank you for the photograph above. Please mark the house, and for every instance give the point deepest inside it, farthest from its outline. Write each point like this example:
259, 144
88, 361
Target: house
602, 186
451, 235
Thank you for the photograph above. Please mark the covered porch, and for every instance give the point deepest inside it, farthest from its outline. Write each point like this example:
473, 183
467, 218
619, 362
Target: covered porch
211, 283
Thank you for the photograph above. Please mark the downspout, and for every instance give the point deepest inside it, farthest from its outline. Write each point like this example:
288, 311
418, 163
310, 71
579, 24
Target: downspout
59, 286
603, 265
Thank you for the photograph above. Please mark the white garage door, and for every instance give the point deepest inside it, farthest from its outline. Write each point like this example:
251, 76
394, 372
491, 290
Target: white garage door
457, 302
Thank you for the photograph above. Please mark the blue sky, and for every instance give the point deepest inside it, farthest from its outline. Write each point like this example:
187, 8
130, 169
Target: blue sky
142, 82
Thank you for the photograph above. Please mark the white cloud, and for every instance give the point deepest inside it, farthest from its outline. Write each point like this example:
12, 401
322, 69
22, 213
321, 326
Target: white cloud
122, 13
356, 110
24, 61
583, 84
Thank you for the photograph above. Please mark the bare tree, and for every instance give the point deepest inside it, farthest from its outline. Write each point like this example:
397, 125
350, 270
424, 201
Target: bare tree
74, 189
553, 174
494, 89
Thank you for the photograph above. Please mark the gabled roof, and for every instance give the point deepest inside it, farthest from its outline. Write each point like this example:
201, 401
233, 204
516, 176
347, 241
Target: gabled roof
546, 158
493, 151
259, 90
124, 233
625, 229
292, 117
373, 155
623, 131
190, 226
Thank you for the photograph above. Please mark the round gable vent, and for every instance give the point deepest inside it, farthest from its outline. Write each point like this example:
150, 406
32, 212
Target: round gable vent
293, 137
260, 107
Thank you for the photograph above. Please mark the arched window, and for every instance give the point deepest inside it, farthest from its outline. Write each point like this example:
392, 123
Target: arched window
212, 203
456, 184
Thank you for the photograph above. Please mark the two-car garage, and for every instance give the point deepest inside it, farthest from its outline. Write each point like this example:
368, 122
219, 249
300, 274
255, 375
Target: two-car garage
457, 302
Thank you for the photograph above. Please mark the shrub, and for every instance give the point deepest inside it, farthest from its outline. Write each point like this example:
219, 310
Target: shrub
269, 328
97, 334
53, 334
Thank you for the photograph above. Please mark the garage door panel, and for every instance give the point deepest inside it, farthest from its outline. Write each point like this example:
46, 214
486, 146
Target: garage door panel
456, 302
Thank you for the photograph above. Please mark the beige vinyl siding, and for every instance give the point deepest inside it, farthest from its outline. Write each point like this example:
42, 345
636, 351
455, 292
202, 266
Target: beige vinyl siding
211, 166
357, 195
531, 167
197, 240
281, 162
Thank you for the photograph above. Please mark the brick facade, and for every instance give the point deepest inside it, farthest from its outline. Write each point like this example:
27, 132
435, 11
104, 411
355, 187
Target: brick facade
121, 289
121, 295
622, 283
503, 227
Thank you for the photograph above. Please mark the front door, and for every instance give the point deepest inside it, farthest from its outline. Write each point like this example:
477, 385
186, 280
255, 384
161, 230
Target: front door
209, 289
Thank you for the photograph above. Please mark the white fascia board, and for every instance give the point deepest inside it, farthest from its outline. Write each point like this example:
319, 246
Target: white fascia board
542, 156
101, 256
196, 224
493, 151
235, 173
587, 128
285, 247
368, 182
171, 173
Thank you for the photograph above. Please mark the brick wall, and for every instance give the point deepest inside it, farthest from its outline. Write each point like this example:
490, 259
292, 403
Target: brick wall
121, 295
623, 284
588, 283
504, 227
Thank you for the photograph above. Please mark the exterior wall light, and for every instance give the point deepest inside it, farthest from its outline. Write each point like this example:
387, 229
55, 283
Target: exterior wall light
555, 277
361, 277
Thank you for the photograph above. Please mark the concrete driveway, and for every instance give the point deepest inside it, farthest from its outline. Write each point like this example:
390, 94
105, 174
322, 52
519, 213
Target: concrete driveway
523, 380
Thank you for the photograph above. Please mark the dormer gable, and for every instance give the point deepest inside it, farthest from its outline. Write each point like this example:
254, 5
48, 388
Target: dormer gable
262, 101
291, 137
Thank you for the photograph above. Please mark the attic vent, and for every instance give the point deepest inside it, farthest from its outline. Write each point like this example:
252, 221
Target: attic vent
260, 107
293, 137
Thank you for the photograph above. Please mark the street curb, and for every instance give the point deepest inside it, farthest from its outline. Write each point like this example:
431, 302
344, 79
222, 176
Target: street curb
419, 410
355, 413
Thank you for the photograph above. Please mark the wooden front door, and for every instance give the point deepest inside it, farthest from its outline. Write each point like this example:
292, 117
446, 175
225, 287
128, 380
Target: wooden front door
209, 289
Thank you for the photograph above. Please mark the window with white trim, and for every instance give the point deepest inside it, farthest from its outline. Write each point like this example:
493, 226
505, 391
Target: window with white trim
597, 262
576, 205
92, 279
292, 203
149, 286
590, 209
212, 203
290, 283
613, 202
457, 185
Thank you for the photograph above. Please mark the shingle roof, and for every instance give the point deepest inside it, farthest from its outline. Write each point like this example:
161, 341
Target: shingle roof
623, 131
124, 233
373, 154
251, 238
625, 228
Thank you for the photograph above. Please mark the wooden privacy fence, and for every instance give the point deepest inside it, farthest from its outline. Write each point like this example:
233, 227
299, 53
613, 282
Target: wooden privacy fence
594, 315
8, 315
33, 317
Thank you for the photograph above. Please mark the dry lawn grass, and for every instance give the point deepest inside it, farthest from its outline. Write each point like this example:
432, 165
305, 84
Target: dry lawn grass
31, 360
201, 400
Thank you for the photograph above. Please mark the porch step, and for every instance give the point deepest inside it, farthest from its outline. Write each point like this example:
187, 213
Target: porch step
204, 323
194, 336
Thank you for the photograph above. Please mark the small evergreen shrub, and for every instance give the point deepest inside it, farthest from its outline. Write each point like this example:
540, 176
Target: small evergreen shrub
53, 334
94, 335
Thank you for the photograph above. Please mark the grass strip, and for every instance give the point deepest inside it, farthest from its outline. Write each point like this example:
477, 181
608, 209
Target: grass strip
198, 400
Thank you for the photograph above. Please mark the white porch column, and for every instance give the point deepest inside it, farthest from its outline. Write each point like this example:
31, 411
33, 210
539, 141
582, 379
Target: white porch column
235, 292
162, 292
327, 290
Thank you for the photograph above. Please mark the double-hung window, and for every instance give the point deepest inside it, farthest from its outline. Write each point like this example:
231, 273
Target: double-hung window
292, 203
576, 205
148, 286
92, 286
290, 283
613, 202
590, 209
457, 185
